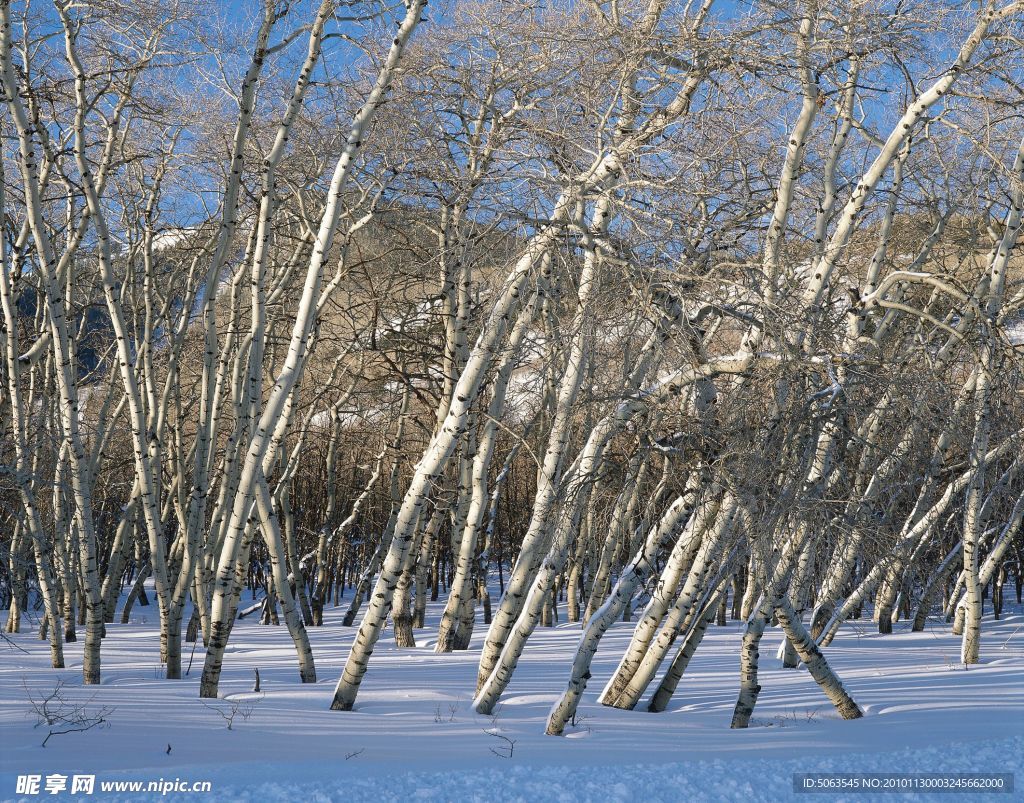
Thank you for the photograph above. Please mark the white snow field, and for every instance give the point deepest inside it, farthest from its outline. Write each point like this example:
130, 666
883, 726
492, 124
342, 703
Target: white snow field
414, 735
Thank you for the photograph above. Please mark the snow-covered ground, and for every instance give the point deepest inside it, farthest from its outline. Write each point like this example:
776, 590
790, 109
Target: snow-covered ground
413, 734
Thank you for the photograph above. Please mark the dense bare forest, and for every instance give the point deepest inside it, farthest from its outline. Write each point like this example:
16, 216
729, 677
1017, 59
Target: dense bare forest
673, 313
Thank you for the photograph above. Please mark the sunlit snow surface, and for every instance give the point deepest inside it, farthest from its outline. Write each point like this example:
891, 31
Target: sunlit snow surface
414, 736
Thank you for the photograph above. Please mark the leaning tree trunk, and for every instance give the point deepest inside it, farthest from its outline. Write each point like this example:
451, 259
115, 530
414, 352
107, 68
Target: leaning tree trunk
815, 661
676, 670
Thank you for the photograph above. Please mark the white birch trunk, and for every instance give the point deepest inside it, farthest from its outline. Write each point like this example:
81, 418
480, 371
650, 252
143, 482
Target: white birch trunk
297, 351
